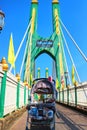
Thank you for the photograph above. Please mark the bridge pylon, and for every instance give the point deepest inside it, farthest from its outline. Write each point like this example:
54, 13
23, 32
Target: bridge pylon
37, 45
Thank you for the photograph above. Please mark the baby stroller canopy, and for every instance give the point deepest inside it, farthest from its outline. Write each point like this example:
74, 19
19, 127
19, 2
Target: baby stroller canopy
43, 86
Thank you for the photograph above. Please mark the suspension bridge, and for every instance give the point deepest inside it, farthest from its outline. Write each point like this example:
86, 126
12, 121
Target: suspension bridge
14, 90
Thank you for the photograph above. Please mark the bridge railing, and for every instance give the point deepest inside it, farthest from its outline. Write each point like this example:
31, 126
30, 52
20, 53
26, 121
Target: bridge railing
10, 94
75, 96
13, 93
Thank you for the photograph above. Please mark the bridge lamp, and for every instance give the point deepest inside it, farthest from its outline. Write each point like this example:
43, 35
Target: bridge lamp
66, 77
2, 16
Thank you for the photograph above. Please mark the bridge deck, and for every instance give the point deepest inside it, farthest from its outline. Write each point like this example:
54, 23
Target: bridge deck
69, 120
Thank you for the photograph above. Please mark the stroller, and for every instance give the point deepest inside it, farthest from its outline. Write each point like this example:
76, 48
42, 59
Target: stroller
41, 109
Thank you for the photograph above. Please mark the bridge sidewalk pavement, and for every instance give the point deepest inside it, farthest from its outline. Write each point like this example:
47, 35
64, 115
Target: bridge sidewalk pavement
20, 123
69, 120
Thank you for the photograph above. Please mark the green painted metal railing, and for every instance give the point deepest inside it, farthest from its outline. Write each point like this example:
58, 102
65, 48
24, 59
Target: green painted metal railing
75, 96
5, 92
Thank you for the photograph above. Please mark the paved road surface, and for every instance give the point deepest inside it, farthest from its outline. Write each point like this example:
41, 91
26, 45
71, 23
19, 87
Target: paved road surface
69, 120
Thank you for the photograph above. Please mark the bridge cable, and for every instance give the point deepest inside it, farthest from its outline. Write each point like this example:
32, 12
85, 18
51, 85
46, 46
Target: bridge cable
83, 55
63, 52
24, 57
29, 51
67, 69
70, 55
21, 44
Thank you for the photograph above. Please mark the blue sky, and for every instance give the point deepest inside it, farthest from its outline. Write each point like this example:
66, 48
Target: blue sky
74, 16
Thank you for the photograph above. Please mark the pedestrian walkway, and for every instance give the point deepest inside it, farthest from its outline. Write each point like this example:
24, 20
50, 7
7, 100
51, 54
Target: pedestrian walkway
68, 120
19, 124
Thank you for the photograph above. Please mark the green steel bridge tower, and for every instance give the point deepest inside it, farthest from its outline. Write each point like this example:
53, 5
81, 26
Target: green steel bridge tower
53, 45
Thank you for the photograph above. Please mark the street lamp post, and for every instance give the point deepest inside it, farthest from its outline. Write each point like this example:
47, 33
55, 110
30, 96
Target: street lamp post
2, 15
66, 77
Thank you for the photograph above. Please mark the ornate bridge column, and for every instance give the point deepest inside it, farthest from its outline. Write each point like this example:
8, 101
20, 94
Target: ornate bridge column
29, 60
58, 44
36, 47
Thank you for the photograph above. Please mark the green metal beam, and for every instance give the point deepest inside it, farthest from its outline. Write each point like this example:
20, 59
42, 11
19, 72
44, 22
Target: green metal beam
2, 94
18, 95
38, 73
46, 73
56, 51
